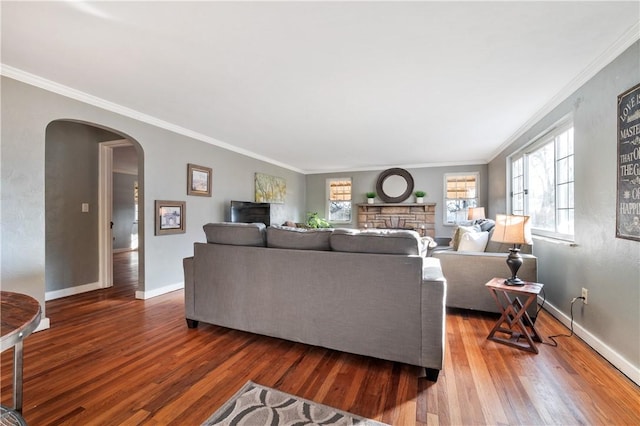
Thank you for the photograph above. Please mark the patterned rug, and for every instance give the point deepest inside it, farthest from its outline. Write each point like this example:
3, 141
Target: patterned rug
256, 405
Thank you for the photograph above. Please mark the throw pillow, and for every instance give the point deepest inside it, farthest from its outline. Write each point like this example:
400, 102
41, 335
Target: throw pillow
473, 241
486, 224
427, 244
459, 232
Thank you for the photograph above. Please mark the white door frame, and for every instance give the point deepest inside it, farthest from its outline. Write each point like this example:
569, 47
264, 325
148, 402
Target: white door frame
105, 207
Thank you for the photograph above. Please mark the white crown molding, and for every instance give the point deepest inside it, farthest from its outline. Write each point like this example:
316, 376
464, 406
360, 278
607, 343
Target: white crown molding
623, 43
402, 166
69, 92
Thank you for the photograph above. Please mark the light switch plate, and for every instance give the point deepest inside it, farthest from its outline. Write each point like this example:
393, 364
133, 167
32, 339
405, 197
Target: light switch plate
85, 207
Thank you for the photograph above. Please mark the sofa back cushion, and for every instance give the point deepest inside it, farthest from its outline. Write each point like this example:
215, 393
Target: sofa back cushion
236, 234
286, 237
376, 241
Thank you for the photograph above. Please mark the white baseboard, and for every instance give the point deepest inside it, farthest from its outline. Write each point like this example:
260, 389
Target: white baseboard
70, 291
44, 324
159, 291
617, 360
57, 294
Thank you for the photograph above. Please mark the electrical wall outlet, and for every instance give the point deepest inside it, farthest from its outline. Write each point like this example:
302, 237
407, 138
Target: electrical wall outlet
585, 294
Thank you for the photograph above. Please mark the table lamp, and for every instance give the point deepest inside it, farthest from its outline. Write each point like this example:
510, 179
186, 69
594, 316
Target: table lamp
475, 214
516, 230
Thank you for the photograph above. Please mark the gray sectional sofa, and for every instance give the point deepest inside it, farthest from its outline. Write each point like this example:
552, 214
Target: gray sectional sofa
367, 293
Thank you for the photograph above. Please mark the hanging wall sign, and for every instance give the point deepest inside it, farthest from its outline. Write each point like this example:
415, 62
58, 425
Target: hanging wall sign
628, 202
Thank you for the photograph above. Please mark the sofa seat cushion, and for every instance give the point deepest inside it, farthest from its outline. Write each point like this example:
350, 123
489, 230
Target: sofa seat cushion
298, 238
236, 234
385, 241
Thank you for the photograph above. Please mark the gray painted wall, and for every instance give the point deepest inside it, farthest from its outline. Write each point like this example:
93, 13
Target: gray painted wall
428, 179
123, 214
125, 175
26, 113
125, 159
607, 266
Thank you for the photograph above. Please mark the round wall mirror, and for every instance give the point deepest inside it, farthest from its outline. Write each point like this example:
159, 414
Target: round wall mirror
394, 185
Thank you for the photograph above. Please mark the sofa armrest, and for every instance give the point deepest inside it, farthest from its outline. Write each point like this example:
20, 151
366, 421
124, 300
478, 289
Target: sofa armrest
189, 299
434, 293
482, 265
468, 272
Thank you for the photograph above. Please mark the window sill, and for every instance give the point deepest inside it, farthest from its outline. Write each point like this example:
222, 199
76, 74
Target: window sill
555, 241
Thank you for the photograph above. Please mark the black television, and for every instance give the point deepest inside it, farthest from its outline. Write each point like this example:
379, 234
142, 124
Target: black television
249, 212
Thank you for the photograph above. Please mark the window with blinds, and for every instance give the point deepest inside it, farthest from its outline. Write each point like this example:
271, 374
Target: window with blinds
339, 200
460, 193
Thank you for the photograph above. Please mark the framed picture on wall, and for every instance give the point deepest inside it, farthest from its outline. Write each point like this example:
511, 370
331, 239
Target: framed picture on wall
270, 189
199, 180
171, 217
628, 203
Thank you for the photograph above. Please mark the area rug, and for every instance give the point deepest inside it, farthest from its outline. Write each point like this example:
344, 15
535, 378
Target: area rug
257, 405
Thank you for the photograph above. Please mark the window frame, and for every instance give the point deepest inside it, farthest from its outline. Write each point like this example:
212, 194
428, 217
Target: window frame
328, 201
551, 135
476, 199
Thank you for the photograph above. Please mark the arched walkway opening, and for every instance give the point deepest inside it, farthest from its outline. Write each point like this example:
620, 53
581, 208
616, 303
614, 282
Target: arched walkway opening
94, 198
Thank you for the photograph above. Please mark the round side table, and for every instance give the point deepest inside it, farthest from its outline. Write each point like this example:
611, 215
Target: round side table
19, 317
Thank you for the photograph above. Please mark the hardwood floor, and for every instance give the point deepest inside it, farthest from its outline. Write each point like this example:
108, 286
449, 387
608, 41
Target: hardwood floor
109, 359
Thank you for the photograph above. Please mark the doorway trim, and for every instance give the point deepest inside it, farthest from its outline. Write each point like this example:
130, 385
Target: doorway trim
105, 206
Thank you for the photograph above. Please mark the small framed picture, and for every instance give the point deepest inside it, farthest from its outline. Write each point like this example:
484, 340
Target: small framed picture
171, 217
199, 180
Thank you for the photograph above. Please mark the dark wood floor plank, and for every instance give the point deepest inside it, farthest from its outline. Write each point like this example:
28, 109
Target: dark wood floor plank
109, 359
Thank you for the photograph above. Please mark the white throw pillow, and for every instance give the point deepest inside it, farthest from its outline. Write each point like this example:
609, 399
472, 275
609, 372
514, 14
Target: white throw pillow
473, 241
459, 232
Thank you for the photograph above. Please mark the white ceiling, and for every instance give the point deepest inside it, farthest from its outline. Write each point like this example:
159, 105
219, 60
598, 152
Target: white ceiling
323, 86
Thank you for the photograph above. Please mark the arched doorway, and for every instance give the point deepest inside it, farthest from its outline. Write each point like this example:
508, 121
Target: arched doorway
78, 248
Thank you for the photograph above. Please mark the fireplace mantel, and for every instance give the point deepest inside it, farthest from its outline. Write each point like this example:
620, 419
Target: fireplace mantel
416, 216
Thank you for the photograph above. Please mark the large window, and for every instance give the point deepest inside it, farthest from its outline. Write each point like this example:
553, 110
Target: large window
460, 193
339, 200
542, 183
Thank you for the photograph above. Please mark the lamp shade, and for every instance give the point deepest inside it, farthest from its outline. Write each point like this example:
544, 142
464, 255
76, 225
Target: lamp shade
512, 229
476, 213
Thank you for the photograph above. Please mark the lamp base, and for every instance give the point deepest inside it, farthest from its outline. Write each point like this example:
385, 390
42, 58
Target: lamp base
514, 281
514, 261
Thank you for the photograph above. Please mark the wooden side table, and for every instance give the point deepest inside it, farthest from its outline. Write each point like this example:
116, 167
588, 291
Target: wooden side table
514, 314
19, 317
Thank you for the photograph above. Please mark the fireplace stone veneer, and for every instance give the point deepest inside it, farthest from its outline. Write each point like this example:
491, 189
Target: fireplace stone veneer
417, 217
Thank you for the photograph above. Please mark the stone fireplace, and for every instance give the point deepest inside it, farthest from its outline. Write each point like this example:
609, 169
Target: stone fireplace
417, 217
